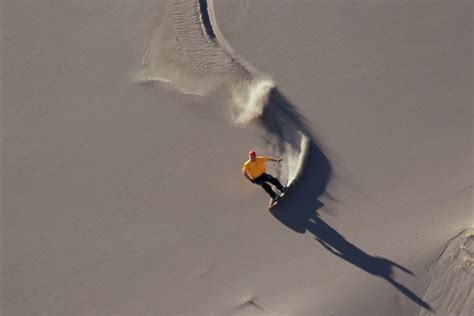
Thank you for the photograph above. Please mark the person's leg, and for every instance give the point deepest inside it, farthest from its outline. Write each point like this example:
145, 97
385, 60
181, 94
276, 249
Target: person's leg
269, 190
261, 181
274, 181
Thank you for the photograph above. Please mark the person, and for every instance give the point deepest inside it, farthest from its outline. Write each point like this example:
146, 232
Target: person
254, 170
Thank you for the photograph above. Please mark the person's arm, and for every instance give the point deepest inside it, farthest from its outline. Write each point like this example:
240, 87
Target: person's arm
265, 158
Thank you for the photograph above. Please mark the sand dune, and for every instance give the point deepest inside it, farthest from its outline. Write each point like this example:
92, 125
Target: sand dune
125, 125
450, 288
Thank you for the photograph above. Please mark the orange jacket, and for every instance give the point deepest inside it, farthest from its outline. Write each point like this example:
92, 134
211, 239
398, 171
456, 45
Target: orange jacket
255, 168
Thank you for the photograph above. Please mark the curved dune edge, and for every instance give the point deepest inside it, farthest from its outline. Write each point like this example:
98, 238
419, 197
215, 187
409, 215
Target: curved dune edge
188, 52
452, 278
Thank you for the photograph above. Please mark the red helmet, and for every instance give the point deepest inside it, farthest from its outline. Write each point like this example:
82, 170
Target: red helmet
252, 154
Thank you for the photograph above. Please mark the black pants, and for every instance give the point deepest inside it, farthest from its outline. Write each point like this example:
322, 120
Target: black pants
262, 181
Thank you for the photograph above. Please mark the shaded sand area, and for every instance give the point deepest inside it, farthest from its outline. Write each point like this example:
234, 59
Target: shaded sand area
125, 125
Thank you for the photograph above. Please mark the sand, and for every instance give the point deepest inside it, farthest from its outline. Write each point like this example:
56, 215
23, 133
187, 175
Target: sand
452, 276
122, 191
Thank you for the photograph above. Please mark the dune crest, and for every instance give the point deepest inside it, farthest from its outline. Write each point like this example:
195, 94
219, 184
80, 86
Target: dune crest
452, 278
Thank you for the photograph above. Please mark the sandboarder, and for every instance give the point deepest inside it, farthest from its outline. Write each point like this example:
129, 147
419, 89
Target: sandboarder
254, 170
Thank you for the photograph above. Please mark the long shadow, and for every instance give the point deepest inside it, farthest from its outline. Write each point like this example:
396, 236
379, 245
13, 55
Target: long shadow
298, 211
334, 242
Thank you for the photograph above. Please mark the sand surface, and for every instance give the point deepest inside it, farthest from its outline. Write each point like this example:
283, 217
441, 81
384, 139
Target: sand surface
452, 276
121, 184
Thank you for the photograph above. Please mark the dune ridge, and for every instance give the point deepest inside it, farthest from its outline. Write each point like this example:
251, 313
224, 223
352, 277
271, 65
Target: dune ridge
450, 289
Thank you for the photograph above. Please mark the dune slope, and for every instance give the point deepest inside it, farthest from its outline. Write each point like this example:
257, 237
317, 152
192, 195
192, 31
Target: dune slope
121, 176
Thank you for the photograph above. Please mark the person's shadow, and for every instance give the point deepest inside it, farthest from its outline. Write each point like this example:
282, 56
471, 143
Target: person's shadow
299, 209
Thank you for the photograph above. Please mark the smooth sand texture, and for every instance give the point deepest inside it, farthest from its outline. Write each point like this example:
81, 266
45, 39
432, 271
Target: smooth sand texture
126, 197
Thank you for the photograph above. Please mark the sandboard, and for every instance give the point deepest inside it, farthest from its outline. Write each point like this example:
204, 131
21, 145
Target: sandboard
280, 197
